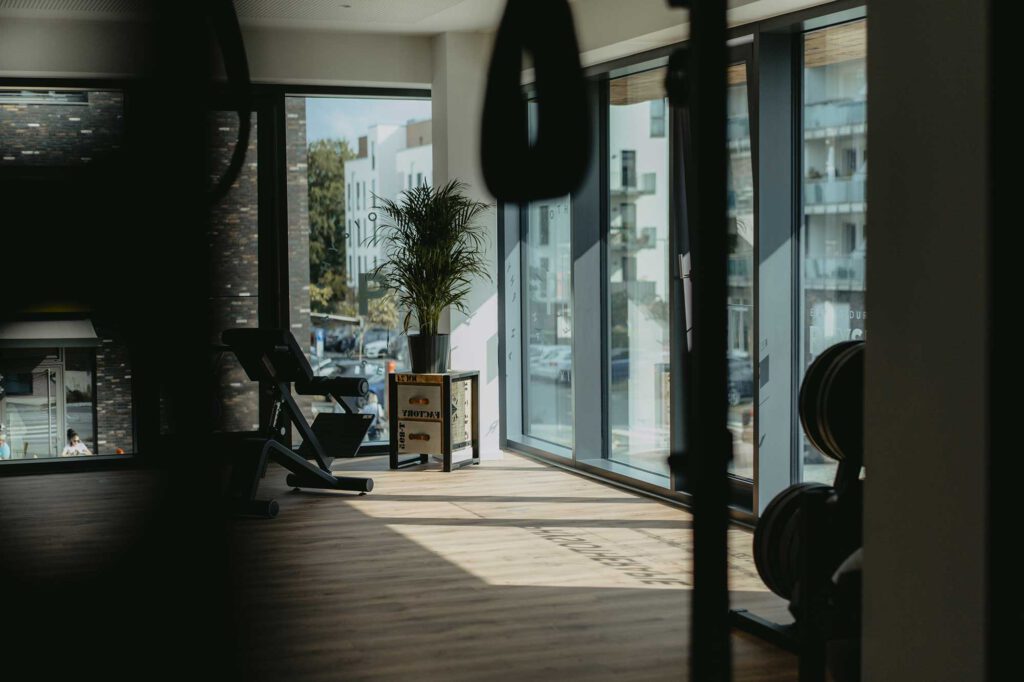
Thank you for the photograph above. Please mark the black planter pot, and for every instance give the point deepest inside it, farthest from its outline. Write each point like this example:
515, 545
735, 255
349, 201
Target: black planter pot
428, 353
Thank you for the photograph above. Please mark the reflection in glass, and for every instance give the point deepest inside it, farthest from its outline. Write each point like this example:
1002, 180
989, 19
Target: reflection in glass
740, 275
835, 158
638, 273
344, 153
547, 386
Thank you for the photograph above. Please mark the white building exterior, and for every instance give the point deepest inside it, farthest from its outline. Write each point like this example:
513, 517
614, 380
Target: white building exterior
385, 161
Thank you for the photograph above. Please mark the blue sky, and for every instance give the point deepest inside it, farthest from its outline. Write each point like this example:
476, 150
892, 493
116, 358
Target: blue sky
349, 118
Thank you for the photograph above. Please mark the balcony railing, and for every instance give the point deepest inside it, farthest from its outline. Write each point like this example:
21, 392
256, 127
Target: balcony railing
629, 239
741, 268
738, 130
835, 114
647, 183
834, 273
835, 191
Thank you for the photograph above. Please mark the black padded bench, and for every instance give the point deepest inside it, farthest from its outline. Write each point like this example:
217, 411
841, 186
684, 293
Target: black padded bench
273, 357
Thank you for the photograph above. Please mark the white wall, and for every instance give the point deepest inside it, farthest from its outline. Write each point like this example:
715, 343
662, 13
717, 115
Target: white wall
82, 49
414, 160
332, 58
460, 73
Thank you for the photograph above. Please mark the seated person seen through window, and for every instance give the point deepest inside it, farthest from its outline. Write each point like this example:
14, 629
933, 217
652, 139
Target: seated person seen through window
374, 407
75, 446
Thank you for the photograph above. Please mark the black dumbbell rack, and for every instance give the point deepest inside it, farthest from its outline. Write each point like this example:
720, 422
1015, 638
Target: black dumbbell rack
808, 636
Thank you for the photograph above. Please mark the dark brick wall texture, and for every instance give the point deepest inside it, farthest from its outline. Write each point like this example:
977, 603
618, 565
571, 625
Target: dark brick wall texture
234, 267
61, 134
112, 387
297, 156
71, 134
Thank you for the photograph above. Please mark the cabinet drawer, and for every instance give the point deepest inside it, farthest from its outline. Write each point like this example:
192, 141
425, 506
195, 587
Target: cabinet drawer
419, 401
419, 437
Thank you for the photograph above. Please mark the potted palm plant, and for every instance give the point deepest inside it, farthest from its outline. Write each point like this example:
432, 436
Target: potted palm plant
433, 249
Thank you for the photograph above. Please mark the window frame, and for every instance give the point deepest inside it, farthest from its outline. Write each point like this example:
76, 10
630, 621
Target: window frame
759, 45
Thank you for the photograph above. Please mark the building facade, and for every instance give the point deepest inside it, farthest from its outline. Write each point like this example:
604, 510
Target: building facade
390, 160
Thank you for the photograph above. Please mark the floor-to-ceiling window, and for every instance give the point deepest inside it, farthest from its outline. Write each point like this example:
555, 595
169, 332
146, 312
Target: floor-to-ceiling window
806, 135
547, 322
742, 228
344, 154
637, 263
834, 212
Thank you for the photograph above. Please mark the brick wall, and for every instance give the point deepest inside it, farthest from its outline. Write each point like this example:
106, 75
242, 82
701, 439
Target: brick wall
234, 267
61, 134
112, 387
298, 228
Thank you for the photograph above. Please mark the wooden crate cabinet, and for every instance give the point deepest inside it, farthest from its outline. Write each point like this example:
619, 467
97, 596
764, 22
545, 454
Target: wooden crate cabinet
433, 415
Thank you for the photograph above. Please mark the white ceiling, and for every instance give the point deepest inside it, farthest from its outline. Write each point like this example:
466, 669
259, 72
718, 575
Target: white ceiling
359, 16
362, 16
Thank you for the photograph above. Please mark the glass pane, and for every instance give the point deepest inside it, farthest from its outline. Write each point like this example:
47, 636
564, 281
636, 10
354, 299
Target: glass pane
835, 161
78, 393
740, 276
29, 409
48, 396
344, 153
638, 275
547, 386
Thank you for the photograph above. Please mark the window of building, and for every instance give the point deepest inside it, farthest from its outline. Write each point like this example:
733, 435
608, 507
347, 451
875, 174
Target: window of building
628, 168
544, 237
659, 110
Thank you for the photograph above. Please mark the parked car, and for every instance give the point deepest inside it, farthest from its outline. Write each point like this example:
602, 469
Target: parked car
555, 364
741, 380
376, 349
619, 364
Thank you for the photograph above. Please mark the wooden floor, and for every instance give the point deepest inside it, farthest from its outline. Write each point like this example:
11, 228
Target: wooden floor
512, 570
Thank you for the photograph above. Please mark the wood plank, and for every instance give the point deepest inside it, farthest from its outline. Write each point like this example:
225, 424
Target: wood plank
509, 570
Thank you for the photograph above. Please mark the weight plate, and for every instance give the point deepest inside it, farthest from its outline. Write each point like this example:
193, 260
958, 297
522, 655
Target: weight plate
769, 559
842, 424
810, 391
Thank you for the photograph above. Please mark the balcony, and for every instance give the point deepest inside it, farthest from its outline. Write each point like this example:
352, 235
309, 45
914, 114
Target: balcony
835, 191
827, 118
843, 274
629, 240
738, 133
740, 271
633, 187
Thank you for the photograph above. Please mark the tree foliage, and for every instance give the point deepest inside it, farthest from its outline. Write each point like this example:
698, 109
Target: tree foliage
326, 173
382, 312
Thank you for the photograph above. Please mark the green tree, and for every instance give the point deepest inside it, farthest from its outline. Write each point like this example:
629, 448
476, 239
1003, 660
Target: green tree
326, 174
383, 312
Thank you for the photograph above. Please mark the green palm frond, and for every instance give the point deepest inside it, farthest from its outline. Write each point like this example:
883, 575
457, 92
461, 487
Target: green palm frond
433, 250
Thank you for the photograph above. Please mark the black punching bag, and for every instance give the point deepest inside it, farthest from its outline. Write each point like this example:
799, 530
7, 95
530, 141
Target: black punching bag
554, 165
